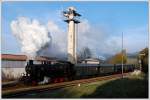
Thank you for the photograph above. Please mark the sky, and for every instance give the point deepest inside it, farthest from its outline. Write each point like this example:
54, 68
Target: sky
101, 27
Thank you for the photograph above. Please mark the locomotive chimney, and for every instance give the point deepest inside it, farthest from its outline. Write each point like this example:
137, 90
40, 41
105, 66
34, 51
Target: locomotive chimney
30, 62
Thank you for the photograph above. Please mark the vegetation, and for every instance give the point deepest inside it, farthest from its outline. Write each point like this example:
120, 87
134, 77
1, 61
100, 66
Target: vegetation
117, 59
143, 56
134, 86
85, 53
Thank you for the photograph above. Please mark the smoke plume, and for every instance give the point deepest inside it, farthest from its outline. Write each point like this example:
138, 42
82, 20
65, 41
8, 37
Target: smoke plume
98, 39
31, 35
51, 39
58, 46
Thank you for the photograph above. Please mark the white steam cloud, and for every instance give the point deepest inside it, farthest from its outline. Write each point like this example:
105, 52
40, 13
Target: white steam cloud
58, 46
51, 39
98, 39
31, 35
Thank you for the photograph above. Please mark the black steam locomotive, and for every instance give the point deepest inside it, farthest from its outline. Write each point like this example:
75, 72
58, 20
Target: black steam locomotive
59, 71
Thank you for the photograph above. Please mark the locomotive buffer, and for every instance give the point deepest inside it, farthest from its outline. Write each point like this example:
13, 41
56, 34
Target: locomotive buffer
70, 16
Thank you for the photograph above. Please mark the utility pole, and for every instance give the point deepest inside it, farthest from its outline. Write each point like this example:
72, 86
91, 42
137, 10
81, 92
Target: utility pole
122, 54
71, 15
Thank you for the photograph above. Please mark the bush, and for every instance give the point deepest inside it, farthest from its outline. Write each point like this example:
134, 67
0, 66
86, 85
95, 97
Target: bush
144, 60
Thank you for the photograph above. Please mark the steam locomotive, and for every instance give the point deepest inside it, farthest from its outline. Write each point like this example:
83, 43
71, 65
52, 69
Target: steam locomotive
59, 71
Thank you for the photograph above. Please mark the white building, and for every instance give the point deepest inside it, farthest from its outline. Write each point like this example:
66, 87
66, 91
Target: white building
12, 66
92, 61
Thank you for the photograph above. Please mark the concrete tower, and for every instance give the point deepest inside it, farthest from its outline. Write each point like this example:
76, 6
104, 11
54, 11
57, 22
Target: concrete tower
70, 15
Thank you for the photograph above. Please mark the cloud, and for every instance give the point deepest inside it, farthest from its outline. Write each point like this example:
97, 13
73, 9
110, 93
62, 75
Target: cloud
58, 46
94, 36
98, 38
31, 35
136, 39
102, 40
58, 34
36, 39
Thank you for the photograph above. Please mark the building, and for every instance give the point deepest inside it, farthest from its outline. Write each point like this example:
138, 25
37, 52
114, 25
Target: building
13, 66
132, 60
92, 61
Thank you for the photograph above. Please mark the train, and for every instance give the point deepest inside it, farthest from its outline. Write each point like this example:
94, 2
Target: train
59, 71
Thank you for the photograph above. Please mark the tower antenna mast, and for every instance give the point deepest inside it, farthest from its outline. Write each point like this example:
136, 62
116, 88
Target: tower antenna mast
70, 15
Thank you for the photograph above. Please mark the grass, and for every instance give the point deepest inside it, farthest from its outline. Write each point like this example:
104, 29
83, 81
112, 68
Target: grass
134, 86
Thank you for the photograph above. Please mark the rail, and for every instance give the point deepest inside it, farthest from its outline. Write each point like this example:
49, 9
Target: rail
22, 91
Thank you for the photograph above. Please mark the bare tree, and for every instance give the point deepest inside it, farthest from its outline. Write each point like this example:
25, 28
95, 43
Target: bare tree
85, 53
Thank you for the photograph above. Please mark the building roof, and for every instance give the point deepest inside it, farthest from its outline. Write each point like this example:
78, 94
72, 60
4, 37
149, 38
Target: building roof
20, 57
92, 59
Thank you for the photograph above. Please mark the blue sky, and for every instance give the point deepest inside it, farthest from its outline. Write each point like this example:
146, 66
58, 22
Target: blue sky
111, 18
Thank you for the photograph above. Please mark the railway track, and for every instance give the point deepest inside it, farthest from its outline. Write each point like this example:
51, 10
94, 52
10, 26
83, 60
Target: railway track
9, 84
16, 92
